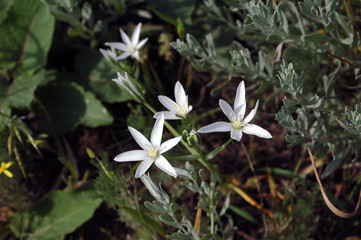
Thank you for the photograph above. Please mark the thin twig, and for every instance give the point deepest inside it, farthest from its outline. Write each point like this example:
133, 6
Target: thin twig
344, 60
257, 185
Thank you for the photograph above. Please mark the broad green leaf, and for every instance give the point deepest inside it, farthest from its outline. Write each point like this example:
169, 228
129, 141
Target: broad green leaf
96, 114
57, 214
64, 105
99, 71
20, 92
5, 113
4, 8
67, 105
26, 36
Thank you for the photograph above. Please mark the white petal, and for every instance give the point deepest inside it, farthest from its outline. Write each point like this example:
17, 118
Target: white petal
240, 100
133, 155
139, 138
216, 127
227, 110
157, 131
143, 167
165, 166
135, 54
123, 56
186, 102
141, 43
168, 103
121, 83
167, 115
169, 144
131, 85
104, 53
117, 45
239, 112
256, 130
189, 109
136, 34
125, 37
179, 93
251, 114
236, 134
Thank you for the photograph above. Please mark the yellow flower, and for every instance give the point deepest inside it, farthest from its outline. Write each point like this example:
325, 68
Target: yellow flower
4, 169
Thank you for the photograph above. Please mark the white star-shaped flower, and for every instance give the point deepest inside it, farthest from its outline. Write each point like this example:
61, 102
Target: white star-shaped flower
152, 151
129, 47
177, 109
238, 124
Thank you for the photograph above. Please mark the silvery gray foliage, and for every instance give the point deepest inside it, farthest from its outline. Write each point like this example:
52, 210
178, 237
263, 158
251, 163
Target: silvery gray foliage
304, 49
202, 57
170, 214
353, 125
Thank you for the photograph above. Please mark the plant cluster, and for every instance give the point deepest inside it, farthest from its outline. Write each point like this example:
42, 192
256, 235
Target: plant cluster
63, 119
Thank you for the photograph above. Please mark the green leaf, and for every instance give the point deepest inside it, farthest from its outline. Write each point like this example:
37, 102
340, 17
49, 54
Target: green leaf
297, 56
96, 114
216, 151
207, 237
64, 104
99, 71
67, 105
155, 207
335, 163
243, 214
4, 8
167, 219
315, 37
57, 214
5, 119
171, 10
26, 36
20, 92
146, 221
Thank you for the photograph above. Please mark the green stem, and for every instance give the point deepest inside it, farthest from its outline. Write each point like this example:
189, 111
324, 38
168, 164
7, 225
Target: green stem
136, 198
211, 201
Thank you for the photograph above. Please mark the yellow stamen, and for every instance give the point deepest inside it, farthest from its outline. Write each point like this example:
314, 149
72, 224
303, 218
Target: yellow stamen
152, 152
131, 48
237, 124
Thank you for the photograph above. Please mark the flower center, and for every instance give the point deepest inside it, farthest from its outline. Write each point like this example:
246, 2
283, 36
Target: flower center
238, 124
182, 108
131, 48
153, 153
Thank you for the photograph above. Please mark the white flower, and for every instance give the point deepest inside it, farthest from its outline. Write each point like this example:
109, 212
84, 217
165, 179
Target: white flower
109, 53
152, 151
129, 47
176, 109
238, 124
128, 86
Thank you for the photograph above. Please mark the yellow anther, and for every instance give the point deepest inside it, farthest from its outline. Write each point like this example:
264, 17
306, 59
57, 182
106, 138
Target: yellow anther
237, 124
152, 152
